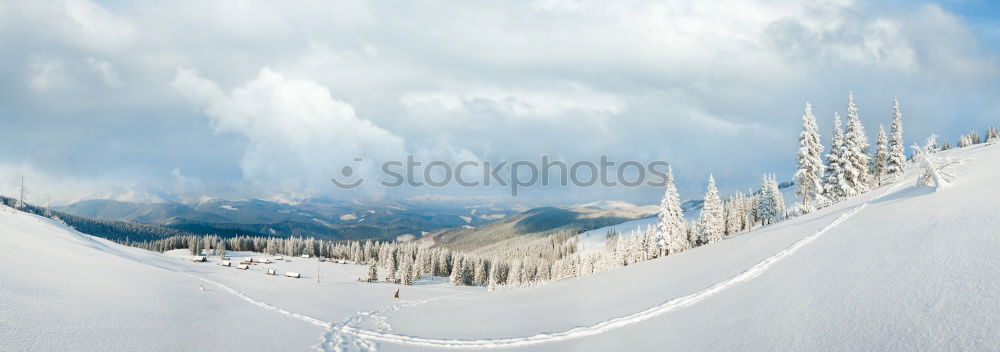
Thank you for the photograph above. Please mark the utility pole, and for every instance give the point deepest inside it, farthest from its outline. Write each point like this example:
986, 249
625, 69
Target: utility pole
20, 199
317, 269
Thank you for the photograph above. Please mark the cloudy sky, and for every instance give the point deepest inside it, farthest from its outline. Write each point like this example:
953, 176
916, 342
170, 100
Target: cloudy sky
269, 99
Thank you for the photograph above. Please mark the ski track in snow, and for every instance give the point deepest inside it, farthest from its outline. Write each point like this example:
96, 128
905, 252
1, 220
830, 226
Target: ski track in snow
608, 325
338, 336
335, 337
244, 297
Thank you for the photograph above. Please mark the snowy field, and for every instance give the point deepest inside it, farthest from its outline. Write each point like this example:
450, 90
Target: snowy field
899, 268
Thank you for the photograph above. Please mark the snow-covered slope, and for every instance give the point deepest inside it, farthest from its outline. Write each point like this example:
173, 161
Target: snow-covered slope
899, 268
63, 290
594, 240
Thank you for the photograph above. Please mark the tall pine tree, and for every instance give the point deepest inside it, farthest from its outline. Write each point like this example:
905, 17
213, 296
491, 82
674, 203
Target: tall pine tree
881, 162
777, 199
897, 157
834, 187
810, 164
770, 204
856, 152
734, 214
711, 224
672, 236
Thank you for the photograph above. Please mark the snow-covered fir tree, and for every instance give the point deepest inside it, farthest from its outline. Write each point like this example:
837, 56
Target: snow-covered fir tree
479, 272
771, 204
514, 275
897, 151
777, 199
809, 174
834, 186
856, 152
372, 272
456, 271
880, 164
711, 224
195, 246
494, 276
992, 134
693, 234
390, 263
964, 141
671, 236
465, 268
220, 248
421, 264
975, 137
648, 243
735, 214
405, 273
749, 207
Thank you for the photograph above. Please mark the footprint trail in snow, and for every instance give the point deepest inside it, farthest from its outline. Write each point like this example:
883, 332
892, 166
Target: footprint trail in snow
608, 325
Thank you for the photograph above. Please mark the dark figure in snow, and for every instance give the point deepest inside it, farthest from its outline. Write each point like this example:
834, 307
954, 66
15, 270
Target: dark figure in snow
397, 293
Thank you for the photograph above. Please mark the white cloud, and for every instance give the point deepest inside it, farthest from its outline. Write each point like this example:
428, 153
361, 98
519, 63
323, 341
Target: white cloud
185, 187
96, 27
106, 71
506, 80
46, 74
42, 186
516, 102
834, 34
297, 135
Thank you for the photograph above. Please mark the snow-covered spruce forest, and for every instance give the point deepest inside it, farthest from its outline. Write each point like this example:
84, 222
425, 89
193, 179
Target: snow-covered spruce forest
850, 167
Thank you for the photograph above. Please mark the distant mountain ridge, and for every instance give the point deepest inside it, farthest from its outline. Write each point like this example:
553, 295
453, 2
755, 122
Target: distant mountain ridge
540, 223
316, 218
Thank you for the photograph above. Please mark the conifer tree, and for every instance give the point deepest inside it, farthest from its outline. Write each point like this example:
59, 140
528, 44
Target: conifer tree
391, 267
220, 248
766, 207
964, 141
834, 186
855, 152
749, 213
514, 275
734, 214
372, 272
810, 165
711, 224
897, 151
992, 134
494, 276
975, 137
406, 271
671, 229
457, 271
479, 272
693, 234
777, 199
880, 165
